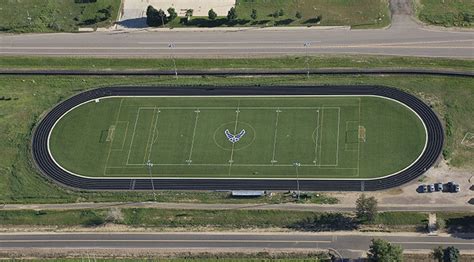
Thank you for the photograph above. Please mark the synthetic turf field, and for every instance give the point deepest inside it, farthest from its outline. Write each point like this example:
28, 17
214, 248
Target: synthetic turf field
330, 137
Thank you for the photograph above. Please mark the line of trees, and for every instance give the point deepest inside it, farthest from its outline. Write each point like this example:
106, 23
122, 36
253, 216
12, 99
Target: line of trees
383, 251
159, 17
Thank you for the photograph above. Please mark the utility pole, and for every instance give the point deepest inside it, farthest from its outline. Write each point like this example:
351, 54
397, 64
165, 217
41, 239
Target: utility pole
29, 17
149, 164
306, 46
171, 46
297, 164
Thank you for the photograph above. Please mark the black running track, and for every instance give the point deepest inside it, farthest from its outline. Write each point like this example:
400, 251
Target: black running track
51, 170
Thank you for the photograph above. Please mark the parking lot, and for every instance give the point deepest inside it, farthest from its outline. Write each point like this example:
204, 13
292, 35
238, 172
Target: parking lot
134, 11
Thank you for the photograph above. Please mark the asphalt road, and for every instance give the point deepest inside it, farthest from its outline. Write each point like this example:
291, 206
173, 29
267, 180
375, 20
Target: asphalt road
343, 242
404, 37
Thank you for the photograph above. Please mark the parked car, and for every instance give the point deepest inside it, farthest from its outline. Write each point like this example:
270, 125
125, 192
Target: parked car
452, 187
422, 189
431, 188
455, 188
438, 187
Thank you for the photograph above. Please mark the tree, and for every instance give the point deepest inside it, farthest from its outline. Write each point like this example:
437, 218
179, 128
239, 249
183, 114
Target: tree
438, 253
275, 14
366, 209
152, 17
253, 15
298, 15
451, 254
232, 14
172, 13
162, 16
211, 14
189, 14
382, 251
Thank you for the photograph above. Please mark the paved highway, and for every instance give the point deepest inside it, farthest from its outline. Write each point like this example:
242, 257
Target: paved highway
343, 242
404, 37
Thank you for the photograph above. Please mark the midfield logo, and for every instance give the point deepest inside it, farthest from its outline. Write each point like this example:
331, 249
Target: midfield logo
234, 138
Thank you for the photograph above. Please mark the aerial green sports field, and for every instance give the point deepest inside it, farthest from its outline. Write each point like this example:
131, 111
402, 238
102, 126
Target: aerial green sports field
238, 137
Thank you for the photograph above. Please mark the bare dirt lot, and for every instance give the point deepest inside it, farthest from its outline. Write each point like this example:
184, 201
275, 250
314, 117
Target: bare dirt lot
407, 195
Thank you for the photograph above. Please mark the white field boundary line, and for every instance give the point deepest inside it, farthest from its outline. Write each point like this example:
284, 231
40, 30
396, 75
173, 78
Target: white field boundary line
233, 108
275, 135
194, 135
224, 165
249, 96
197, 110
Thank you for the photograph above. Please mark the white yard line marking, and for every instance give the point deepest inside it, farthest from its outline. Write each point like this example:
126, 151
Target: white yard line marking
321, 139
316, 140
358, 146
155, 135
194, 135
125, 136
231, 161
337, 140
149, 135
275, 135
133, 135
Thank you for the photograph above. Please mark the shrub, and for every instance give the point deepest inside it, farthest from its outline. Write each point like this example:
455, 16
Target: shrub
232, 14
172, 13
212, 15
152, 16
298, 15
93, 221
253, 15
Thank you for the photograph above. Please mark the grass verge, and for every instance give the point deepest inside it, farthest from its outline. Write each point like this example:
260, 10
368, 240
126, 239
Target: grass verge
289, 62
56, 16
448, 13
166, 219
455, 222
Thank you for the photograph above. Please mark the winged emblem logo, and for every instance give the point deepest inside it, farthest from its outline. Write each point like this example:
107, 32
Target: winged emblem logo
234, 138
